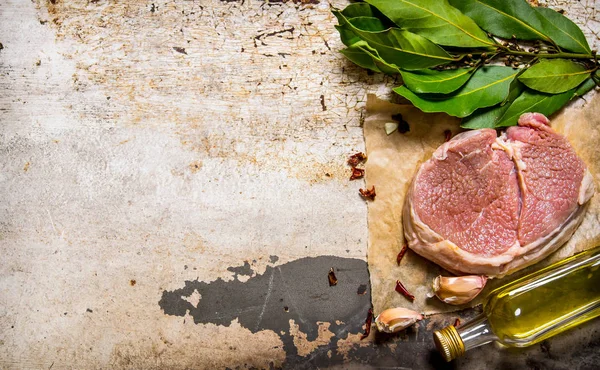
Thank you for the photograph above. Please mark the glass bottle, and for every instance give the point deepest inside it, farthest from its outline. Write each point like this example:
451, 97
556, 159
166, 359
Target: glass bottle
532, 308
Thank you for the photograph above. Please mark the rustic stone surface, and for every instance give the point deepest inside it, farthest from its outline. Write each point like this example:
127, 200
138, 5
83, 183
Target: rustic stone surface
147, 144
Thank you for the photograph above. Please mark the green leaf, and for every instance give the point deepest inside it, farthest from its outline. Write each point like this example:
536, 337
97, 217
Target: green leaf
360, 58
554, 76
534, 101
431, 81
385, 67
402, 48
488, 86
358, 10
361, 9
504, 18
563, 31
370, 24
484, 117
362, 16
363, 55
347, 36
585, 87
487, 117
435, 20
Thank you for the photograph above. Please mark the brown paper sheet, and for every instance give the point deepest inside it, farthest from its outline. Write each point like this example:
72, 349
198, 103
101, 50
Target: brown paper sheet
392, 162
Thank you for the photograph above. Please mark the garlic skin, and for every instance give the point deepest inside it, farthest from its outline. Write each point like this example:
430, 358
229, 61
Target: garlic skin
393, 320
458, 290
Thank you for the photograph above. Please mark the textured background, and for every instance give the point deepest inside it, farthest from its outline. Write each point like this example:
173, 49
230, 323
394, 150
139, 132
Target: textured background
173, 177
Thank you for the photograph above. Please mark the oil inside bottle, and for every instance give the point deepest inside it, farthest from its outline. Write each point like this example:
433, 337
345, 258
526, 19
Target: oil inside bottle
531, 310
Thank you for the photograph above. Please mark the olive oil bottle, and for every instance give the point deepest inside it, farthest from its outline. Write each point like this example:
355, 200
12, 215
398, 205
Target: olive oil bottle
532, 308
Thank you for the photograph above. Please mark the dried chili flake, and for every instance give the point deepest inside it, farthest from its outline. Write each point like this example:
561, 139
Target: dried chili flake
401, 254
368, 193
402, 290
357, 173
180, 50
331, 276
368, 322
355, 159
447, 135
457, 322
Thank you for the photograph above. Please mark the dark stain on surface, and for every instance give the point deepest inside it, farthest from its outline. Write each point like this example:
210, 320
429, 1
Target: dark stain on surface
260, 303
245, 270
296, 290
273, 259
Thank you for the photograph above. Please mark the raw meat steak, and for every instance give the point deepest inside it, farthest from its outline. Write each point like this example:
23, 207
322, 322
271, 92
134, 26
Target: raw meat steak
493, 205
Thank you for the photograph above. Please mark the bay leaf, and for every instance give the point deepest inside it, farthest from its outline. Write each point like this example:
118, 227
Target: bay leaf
384, 66
362, 19
365, 56
483, 117
588, 85
563, 31
360, 58
432, 81
399, 47
370, 24
435, 20
534, 101
487, 117
504, 18
488, 86
358, 10
554, 75
361, 9
347, 36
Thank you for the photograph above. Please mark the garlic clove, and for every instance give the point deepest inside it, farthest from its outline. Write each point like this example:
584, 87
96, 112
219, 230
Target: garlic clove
393, 320
458, 290
390, 127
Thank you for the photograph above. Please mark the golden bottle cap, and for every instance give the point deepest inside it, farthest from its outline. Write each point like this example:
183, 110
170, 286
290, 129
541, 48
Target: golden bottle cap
449, 343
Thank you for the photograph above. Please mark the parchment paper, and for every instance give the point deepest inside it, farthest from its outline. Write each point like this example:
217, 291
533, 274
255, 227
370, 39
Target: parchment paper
392, 162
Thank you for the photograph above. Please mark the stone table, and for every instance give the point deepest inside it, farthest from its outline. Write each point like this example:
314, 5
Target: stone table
174, 191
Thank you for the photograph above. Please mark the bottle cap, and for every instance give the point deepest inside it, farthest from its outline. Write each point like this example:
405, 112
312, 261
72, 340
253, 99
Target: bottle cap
449, 343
